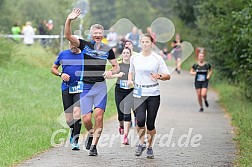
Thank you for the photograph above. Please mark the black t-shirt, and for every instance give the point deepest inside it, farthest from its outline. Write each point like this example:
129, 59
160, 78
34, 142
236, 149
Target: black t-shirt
95, 60
201, 71
125, 69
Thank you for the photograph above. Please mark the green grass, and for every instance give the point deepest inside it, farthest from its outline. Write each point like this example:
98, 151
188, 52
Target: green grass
30, 104
241, 113
240, 109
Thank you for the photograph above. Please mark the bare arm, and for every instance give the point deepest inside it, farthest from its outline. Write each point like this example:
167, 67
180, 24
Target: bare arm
173, 44
162, 77
115, 69
119, 75
115, 66
192, 71
67, 32
55, 71
210, 71
130, 79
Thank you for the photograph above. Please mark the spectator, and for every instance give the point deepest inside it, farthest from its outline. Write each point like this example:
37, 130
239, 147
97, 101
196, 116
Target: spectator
15, 30
28, 32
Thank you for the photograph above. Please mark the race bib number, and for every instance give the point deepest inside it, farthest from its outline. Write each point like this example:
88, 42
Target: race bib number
137, 92
201, 77
76, 89
124, 84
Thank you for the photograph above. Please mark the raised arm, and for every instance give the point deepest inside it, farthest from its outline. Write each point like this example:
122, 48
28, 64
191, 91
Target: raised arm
68, 35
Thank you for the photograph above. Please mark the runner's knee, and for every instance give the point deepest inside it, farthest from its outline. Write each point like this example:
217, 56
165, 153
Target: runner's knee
140, 122
86, 119
150, 126
127, 117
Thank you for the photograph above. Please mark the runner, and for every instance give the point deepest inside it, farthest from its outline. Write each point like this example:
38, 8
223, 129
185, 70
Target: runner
146, 68
94, 92
123, 96
203, 72
129, 44
177, 52
70, 98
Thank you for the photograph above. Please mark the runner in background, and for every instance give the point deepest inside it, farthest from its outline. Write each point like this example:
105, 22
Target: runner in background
70, 97
124, 96
177, 52
202, 71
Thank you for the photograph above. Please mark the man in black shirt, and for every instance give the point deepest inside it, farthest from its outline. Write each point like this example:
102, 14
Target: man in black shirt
94, 92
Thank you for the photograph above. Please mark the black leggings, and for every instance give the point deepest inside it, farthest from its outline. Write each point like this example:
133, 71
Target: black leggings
70, 101
149, 104
124, 103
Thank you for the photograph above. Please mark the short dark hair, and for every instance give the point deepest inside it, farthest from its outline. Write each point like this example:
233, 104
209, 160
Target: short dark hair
147, 35
128, 41
128, 49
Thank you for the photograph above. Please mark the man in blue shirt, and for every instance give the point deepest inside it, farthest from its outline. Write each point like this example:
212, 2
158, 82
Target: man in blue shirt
71, 61
94, 93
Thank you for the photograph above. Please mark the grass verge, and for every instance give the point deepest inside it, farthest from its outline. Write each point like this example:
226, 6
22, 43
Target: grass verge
30, 103
240, 110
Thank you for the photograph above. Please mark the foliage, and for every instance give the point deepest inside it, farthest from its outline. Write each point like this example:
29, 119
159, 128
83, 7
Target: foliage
225, 29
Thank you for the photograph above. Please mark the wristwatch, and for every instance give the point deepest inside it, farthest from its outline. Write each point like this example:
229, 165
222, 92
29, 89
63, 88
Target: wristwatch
59, 74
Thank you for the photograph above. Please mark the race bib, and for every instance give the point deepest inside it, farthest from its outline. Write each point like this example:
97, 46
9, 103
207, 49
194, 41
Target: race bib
77, 88
137, 92
124, 84
201, 77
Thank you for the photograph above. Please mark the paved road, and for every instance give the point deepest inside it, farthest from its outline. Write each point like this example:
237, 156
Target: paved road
185, 137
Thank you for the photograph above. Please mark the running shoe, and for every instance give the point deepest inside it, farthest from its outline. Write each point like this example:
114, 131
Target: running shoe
201, 110
93, 151
125, 140
149, 153
206, 103
75, 146
88, 141
139, 149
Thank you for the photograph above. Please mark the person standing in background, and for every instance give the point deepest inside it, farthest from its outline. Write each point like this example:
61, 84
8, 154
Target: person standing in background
112, 38
134, 37
28, 32
15, 30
